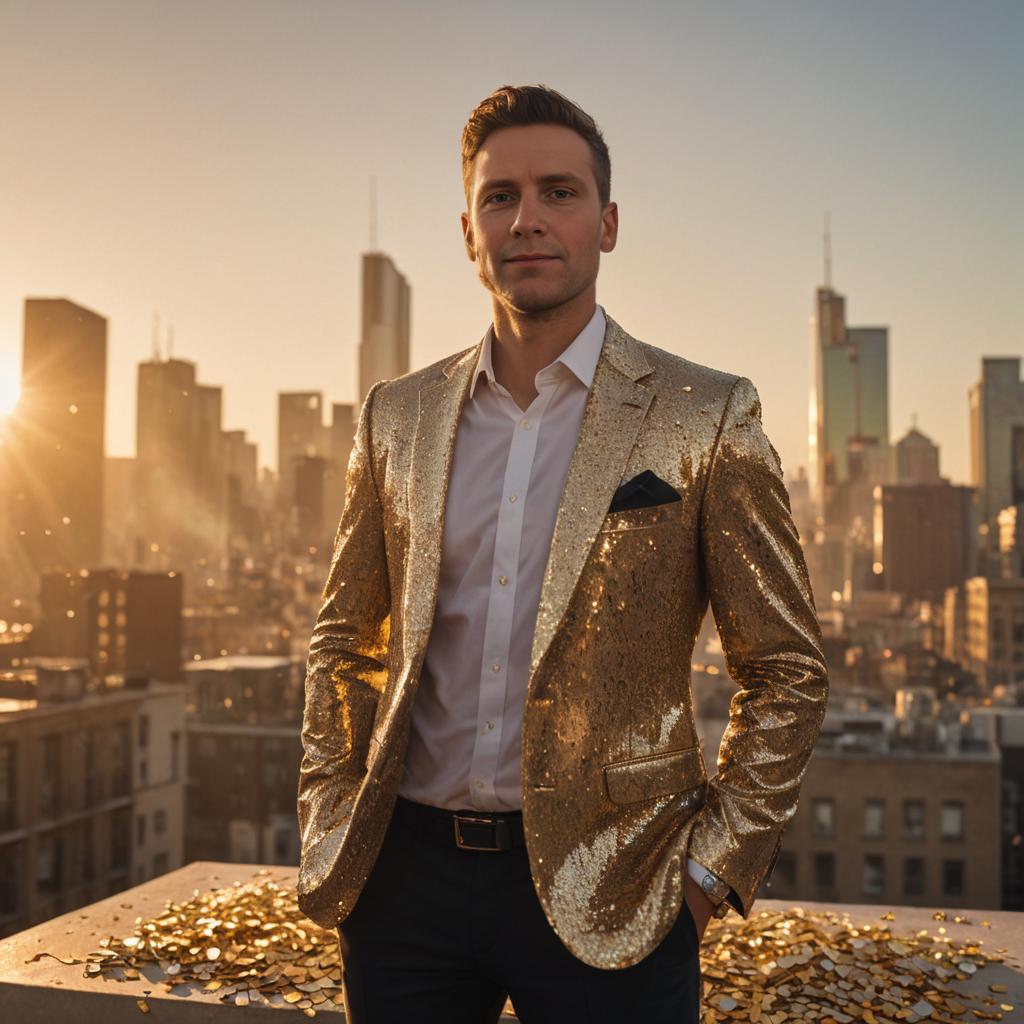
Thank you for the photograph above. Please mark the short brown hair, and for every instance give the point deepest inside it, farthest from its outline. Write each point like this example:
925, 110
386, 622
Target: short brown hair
514, 105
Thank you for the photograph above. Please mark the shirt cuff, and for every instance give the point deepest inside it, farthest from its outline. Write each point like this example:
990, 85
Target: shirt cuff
696, 871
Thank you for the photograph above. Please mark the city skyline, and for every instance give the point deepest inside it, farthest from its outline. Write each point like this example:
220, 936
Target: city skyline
894, 124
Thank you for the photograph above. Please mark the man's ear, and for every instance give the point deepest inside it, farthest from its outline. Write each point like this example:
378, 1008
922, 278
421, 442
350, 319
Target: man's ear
467, 236
609, 227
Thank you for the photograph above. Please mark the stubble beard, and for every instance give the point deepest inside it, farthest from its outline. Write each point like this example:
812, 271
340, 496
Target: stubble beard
535, 304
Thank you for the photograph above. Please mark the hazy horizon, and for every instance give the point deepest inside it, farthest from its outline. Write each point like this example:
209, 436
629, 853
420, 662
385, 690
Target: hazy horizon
211, 161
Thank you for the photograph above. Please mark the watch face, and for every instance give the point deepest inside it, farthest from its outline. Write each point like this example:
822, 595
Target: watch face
707, 883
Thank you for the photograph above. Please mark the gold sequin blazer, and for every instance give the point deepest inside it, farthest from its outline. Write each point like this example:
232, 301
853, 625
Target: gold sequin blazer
614, 789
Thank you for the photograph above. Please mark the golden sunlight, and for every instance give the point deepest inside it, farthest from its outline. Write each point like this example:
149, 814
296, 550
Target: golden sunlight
10, 386
10, 392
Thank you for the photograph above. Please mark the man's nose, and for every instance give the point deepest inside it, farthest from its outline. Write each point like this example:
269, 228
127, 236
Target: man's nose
529, 217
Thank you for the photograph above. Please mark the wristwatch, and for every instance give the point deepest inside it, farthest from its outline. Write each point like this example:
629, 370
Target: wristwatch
716, 889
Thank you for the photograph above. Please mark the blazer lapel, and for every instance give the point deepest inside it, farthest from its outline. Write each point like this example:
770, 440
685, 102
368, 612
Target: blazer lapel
616, 406
440, 405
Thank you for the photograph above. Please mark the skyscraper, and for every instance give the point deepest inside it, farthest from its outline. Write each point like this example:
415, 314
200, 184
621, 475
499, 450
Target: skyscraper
849, 409
57, 435
300, 434
211, 471
923, 538
241, 461
341, 436
182, 470
167, 445
121, 621
384, 345
917, 459
997, 437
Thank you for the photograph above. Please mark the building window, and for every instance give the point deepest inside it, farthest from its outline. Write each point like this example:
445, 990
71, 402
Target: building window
952, 819
160, 821
874, 818
121, 759
49, 764
913, 819
86, 861
997, 631
143, 731
140, 830
282, 846
823, 811
8, 793
784, 873
93, 776
952, 878
120, 840
913, 876
874, 875
175, 755
49, 864
10, 879
160, 864
824, 870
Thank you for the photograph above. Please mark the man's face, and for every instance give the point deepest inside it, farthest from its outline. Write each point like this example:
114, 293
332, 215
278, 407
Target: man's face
533, 193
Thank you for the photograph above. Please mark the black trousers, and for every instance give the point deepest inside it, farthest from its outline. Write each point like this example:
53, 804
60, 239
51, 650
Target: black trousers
441, 935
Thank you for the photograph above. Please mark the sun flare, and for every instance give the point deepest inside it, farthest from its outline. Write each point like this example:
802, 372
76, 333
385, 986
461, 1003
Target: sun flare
10, 392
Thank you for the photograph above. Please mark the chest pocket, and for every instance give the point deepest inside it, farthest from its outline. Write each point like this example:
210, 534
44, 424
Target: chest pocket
640, 518
654, 775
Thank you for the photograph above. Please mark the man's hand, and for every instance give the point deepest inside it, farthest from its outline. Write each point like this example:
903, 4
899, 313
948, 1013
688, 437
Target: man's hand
700, 906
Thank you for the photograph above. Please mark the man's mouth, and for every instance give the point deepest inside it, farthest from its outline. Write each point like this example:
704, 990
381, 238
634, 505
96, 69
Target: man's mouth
531, 259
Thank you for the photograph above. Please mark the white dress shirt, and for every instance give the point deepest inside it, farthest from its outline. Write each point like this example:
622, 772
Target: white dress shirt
508, 473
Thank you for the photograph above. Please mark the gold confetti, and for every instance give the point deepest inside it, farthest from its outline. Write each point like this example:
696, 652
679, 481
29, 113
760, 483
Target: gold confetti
142, 1005
252, 946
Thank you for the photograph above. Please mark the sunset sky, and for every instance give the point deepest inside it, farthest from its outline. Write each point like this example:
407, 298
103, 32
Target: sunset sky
210, 160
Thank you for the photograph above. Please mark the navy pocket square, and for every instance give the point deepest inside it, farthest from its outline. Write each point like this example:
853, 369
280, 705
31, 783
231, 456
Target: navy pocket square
644, 490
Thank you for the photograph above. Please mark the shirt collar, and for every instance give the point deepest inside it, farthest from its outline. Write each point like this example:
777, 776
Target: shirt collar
580, 356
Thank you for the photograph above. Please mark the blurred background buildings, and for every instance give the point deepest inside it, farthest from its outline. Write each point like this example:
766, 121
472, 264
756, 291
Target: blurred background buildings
155, 611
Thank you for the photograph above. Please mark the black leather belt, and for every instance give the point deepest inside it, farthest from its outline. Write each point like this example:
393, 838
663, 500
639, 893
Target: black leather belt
467, 829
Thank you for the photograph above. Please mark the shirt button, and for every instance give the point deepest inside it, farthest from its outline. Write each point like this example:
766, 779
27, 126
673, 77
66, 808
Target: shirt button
503, 580
527, 424
496, 667
479, 783
511, 497
490, 725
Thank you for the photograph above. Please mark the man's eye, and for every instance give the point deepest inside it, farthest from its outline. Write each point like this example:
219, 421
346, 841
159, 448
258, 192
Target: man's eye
491, 199
565, 191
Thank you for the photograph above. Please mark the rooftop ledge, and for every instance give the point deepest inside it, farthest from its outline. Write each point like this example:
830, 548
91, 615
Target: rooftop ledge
214, 940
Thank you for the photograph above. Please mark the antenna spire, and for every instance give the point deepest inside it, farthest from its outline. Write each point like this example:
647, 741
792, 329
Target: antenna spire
373, 213
170, 341
156, 336
828, 252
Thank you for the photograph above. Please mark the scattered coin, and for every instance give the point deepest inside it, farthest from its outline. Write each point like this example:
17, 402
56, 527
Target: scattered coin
252, 946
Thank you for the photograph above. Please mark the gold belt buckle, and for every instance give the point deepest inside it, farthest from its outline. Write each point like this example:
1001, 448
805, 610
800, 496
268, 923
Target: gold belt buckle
501, 832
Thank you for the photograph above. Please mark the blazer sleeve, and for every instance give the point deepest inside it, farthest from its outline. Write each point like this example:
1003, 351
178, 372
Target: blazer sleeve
761, 599
347, 665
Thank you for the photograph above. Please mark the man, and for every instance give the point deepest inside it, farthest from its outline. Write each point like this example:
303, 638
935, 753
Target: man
502, 790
